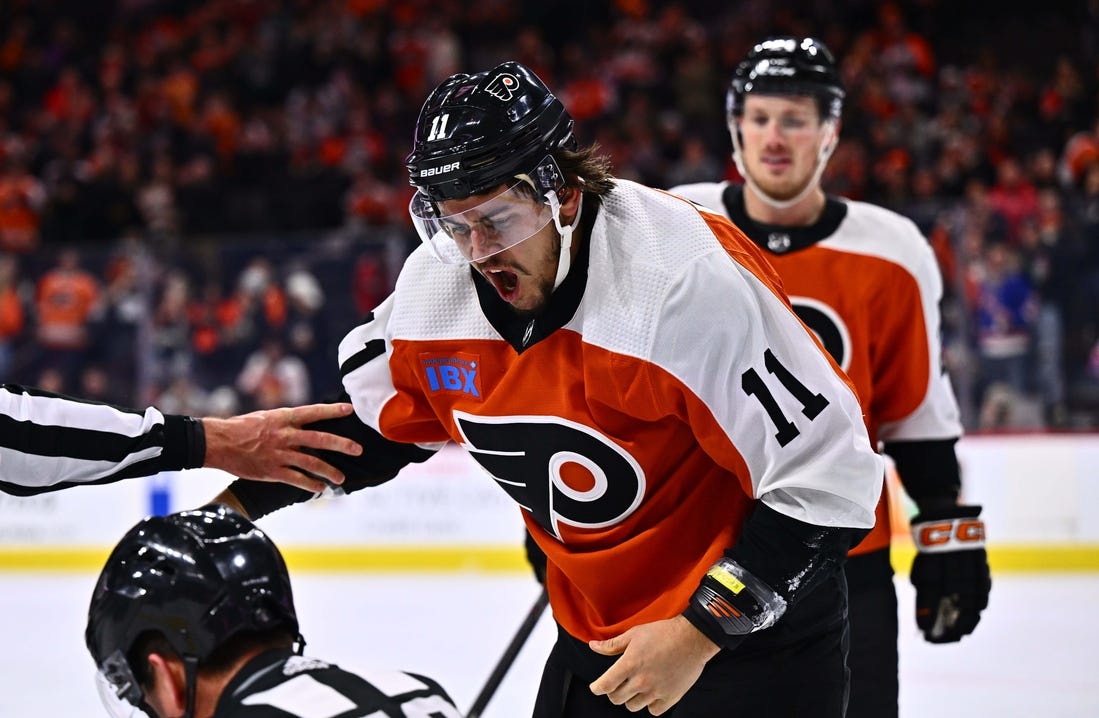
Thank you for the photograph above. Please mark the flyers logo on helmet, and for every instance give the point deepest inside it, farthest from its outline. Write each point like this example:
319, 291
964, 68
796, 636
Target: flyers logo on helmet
503, 86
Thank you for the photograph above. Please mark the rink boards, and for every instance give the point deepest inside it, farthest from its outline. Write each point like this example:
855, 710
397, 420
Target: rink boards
1040, 495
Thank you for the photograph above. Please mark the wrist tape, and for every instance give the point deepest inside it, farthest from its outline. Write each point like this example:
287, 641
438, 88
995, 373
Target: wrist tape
738, 602
945, 535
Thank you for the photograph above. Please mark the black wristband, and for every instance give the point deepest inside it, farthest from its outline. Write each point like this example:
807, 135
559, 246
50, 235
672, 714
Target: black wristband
790, 555
184, 442
196, 443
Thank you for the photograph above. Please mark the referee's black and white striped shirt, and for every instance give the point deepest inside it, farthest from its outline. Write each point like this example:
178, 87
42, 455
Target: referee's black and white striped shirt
50, 442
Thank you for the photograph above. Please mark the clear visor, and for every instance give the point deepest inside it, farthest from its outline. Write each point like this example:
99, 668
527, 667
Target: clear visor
118, 691
495, 225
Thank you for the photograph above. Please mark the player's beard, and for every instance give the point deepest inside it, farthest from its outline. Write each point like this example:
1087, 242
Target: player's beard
538, 285
532, 275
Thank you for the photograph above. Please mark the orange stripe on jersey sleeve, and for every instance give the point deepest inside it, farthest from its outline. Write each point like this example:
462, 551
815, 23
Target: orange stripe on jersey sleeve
745, 252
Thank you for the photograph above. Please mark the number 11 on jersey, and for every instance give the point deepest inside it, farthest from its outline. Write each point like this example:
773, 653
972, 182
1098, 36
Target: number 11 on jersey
754, 385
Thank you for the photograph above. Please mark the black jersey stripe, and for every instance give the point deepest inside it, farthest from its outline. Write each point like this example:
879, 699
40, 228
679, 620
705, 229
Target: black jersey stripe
370, 351
86, 444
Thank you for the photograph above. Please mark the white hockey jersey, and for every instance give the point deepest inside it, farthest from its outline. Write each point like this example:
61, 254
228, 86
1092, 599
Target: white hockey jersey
673, 388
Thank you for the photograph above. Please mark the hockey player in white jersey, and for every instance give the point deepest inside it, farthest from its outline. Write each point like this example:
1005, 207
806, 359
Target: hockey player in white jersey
865, 280
694, 476
193, 616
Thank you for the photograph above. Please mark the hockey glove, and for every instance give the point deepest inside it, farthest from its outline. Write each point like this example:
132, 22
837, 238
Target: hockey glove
950, 572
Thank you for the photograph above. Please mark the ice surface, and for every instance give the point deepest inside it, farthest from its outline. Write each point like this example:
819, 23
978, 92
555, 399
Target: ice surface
1034, 653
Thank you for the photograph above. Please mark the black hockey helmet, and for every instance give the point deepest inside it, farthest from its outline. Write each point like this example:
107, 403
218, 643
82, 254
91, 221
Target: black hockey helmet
196, 577
788, 66
476, 132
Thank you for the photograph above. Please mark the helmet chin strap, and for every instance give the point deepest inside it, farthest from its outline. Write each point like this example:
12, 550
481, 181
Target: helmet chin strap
823, 153
564, 258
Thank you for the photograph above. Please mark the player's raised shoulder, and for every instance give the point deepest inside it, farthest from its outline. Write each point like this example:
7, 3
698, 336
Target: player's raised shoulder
706, 194
877, 231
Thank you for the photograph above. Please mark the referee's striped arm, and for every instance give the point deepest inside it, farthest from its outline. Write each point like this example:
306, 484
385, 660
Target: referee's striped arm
50, 442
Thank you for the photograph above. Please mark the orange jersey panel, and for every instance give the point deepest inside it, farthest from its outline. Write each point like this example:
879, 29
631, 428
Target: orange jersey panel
605, 507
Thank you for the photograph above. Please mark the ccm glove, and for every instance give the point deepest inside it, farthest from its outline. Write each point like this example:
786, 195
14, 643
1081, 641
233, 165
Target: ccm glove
950, 572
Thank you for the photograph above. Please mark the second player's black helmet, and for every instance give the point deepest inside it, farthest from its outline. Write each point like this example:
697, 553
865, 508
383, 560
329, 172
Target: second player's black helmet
476, 132
788, 66
196, 577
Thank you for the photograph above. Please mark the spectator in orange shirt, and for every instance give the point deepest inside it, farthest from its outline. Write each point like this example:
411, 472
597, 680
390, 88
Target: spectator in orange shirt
11, 312
66, 300
21, 199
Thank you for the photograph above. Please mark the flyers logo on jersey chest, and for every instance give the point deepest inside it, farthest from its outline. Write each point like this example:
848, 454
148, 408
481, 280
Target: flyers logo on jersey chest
562, 472
456, 373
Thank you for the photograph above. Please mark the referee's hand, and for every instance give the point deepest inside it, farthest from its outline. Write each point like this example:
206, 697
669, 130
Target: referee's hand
268, 445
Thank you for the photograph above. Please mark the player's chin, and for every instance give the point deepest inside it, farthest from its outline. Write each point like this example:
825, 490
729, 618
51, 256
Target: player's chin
783, 191
524, 305
529, 300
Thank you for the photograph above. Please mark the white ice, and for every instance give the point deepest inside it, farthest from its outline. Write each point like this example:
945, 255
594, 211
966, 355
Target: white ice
1034, 654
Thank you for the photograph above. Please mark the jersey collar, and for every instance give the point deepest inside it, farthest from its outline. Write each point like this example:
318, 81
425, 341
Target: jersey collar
244, 682
777, 239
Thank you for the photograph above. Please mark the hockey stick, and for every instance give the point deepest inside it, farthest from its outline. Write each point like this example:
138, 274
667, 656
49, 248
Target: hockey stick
504, 664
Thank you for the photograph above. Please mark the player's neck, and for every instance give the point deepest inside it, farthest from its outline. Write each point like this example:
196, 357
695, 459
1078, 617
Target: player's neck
211, 686
207, 694
804, 213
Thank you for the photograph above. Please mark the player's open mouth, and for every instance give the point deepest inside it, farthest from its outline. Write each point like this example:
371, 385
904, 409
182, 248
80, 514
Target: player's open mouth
505, 281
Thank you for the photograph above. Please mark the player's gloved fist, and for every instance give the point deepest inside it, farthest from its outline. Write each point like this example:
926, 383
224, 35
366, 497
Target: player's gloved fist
950, 572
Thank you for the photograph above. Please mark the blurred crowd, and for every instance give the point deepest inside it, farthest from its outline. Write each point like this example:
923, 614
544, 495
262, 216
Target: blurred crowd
198, 198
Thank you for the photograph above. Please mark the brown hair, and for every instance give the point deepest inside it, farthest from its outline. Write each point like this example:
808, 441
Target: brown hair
586, 168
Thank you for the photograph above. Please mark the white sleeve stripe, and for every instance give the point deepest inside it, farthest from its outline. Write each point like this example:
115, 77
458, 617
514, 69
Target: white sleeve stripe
41, 471
59, 412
